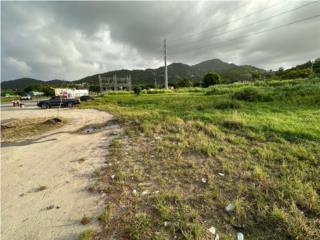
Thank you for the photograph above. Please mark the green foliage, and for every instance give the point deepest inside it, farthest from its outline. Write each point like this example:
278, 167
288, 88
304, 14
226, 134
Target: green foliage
47, 90
94, 88
316, 67
137, 90
251, 94
297, 73
155, 91
178, 144
88, 234
185, 83
211, 78
227, 104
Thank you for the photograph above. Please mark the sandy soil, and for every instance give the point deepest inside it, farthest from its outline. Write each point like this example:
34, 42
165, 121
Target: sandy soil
52, 160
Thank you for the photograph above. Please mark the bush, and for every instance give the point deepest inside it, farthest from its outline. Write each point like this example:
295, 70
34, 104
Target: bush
137, 90
210, 79
251, 95
185, 83
297, 73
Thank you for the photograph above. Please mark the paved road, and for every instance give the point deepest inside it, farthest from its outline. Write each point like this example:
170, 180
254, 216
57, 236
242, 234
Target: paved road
32, 103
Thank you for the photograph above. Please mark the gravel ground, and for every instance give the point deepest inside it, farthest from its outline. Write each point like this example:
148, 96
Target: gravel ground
51, 160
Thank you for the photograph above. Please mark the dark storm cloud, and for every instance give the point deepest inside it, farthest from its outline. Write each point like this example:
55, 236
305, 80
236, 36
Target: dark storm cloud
70, 40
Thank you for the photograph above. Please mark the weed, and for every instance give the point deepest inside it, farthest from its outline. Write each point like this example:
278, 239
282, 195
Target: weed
88, 234
85, 220
227, 105
41, 188
268, 153
251, 95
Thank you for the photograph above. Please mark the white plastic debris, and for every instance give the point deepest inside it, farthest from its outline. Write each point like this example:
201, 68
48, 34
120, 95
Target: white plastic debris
166, 223
212, 230
113, 176
134, 191
145, 192
204, 180
217, 237
221, 174
230, 207
240, 236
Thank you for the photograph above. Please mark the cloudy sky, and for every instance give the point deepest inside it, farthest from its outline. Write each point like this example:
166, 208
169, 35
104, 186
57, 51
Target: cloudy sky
71, 40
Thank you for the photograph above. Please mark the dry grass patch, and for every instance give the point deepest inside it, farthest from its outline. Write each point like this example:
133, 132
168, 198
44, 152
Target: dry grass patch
13, 130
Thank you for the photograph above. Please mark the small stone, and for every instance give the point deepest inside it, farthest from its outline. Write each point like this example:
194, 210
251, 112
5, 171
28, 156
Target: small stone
21, 194
230, 207
134, 191
217, 237
113, 176
204, 180
240, 236
57, 207
221, 174
212, 230
166, 223
50, 207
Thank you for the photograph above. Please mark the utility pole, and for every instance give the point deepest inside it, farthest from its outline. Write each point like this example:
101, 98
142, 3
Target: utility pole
100, 83
155, 80
165, 66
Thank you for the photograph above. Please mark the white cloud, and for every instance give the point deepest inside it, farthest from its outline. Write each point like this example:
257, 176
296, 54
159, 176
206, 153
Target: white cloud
17, 66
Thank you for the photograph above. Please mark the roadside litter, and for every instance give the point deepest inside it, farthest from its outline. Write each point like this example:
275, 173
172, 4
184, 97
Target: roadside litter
230, 207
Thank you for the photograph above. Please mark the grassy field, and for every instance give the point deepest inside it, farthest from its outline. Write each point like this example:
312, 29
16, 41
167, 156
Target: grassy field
187, 154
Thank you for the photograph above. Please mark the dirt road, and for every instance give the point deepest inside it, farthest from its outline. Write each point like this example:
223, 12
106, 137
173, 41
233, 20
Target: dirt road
61, 161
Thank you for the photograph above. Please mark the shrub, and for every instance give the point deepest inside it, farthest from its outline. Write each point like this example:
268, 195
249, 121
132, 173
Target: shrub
185, 83
251, 95
211, 78
137, 90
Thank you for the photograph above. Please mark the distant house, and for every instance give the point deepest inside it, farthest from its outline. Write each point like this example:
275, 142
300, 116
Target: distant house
35, 93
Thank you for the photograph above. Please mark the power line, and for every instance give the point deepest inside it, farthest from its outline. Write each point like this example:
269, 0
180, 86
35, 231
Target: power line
256, 33
225, 24
248, 25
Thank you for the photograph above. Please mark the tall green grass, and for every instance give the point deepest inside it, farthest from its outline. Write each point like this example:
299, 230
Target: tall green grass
267, 151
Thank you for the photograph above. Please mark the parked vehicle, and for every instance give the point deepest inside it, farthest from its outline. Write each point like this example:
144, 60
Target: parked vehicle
26, 97
85, 98
58, 101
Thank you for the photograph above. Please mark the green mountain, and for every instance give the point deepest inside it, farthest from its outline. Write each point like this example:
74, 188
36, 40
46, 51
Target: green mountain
180, 71
23, 83
20, 83
176, 72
